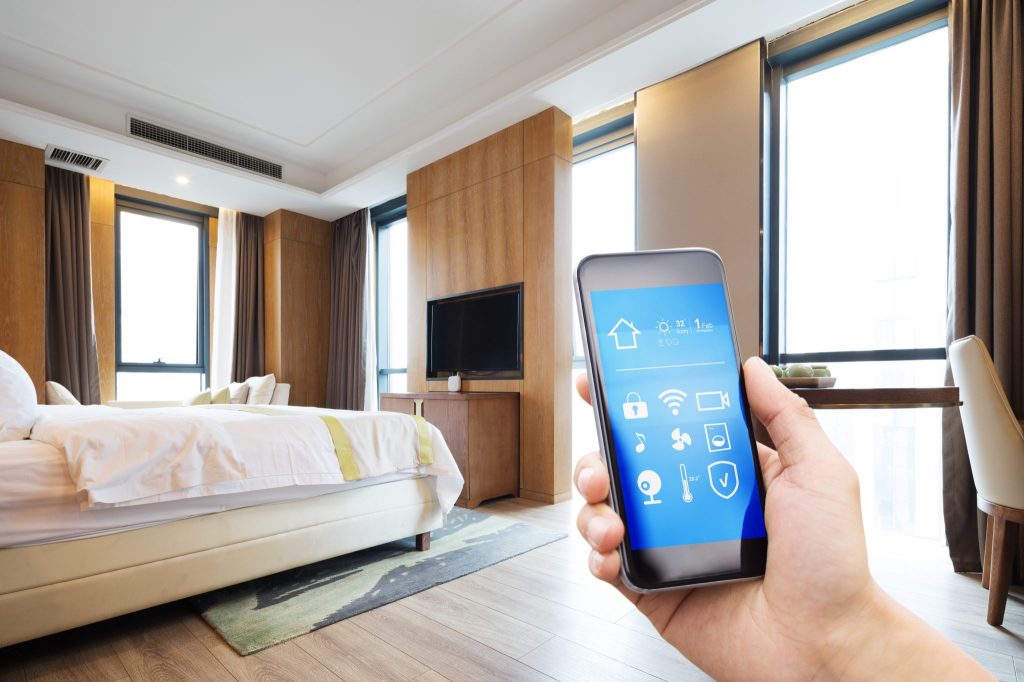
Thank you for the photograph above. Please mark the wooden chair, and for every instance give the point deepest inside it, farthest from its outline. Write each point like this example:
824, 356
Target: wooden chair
995, 446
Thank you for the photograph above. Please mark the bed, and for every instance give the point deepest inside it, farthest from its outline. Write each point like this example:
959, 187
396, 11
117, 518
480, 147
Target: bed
75, 547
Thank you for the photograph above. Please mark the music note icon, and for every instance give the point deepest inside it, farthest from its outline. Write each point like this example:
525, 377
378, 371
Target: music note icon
641, 444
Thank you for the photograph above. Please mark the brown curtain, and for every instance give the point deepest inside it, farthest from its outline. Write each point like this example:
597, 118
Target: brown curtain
248, 359
986, 240
346, 359
70, 337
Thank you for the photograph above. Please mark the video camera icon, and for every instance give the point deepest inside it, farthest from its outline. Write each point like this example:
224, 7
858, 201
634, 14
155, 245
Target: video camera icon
708, 401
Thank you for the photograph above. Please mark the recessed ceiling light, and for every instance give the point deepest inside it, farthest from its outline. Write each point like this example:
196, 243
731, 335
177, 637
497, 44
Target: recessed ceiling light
182, 179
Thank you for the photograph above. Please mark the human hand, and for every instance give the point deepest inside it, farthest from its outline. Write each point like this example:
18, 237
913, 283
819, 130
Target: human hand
817, 611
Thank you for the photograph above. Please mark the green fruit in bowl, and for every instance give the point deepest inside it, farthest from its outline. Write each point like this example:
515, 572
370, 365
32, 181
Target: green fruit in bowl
821, 371
779, 372
799, 371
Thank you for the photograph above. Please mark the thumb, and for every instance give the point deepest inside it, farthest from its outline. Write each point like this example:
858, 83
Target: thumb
789, 421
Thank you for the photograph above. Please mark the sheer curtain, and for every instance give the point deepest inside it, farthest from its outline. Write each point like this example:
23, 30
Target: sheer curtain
370, 322
224, 291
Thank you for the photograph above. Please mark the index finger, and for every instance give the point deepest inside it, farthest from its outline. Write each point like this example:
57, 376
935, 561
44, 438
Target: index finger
583, 386
789, 421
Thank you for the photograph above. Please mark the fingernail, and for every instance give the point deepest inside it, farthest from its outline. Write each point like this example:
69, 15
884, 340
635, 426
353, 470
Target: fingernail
596, 530
583, 479
594, 562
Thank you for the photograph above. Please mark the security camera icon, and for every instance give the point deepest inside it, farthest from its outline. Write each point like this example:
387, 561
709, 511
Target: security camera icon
649, 483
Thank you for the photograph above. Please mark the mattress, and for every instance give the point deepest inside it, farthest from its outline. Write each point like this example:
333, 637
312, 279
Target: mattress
38, 502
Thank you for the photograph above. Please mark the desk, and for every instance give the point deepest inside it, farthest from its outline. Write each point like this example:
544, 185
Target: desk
870, 399
879, 398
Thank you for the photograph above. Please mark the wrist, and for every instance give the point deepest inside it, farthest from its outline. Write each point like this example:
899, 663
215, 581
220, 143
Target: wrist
882, 639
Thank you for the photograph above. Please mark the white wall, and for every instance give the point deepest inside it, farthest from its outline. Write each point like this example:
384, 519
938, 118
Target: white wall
699, 176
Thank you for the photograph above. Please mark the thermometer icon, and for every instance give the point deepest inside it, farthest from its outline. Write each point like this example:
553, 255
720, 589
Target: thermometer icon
687, 495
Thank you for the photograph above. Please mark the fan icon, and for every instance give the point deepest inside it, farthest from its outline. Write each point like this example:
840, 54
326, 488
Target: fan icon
681, 440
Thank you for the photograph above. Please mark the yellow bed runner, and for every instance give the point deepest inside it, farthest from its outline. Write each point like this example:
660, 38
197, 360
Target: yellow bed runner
342, 446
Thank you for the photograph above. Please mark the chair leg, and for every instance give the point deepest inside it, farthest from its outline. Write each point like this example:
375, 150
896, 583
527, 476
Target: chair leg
423, 541
986, 555
1004, 536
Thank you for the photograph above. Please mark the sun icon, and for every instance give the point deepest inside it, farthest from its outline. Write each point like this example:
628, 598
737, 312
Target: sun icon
663, 326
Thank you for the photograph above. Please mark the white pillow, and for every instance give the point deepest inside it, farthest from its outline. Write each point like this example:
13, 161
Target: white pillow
17, 400
239, 393
261, 389
201, 398
57, 394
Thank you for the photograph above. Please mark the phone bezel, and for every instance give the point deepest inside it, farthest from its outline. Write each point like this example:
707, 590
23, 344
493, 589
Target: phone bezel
683, 565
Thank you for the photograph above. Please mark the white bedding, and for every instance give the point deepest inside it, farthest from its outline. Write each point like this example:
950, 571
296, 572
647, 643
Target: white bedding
38, 501
96, 470
120, 458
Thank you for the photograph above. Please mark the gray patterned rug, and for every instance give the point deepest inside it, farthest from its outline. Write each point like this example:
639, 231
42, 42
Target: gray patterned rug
257, 614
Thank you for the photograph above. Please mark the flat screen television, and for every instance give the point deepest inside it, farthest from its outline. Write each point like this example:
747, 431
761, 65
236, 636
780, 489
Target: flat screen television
478, 334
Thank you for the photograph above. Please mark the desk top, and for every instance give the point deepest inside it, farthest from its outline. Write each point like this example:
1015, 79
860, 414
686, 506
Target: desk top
879, 398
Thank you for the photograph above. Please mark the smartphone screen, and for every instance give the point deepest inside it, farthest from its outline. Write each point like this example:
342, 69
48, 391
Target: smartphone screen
675, 421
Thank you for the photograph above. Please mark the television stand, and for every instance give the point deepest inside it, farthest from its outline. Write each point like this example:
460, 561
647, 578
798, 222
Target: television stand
482, 431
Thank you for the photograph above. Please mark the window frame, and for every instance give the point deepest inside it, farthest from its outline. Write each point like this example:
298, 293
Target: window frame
202, 223
858, 31
382, 217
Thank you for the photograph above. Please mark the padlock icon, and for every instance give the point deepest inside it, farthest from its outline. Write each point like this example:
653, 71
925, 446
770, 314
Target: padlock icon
634, 408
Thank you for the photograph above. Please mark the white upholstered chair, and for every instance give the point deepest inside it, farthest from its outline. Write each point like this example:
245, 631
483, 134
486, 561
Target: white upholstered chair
995, 445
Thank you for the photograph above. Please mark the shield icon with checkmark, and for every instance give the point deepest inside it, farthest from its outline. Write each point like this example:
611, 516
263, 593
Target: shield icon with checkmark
724, 478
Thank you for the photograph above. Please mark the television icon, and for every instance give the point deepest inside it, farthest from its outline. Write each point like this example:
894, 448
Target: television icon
708, 401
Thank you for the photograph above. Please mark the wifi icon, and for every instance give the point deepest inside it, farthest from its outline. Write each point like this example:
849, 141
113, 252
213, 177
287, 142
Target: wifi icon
673, 399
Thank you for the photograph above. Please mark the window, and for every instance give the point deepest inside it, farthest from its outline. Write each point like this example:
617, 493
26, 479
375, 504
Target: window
603, 221
603, 212
162, 313
860, 251
392, 304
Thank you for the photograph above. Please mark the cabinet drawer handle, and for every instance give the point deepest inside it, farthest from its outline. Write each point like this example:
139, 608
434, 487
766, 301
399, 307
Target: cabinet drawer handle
417, 407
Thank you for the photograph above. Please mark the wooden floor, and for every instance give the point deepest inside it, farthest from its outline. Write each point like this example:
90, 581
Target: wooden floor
536, 616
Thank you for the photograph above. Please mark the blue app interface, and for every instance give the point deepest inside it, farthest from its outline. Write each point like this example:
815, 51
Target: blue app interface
676, 414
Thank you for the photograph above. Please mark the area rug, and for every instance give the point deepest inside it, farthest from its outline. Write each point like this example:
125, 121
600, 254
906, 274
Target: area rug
257, 614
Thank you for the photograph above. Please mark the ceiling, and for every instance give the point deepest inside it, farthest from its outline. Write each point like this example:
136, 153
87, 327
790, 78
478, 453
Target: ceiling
348, 96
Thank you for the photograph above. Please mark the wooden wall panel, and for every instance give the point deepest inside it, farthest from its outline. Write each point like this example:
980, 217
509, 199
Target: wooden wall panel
297, 274
21, 164
549, 132
546, 412
101, 233
498, 212
272, 294
475, 237
22, 317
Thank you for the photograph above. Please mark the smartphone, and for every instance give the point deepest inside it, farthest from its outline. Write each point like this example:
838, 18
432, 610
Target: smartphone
672, 417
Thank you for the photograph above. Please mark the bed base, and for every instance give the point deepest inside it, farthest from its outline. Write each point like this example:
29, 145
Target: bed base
53, 587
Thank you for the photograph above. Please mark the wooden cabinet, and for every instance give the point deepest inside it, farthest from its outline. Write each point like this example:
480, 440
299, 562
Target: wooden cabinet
482, 431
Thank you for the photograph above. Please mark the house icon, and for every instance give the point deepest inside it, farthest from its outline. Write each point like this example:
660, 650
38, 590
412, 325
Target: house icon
625, 334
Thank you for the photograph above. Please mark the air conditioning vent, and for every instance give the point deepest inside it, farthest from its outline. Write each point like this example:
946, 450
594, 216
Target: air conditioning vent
72, 160
166, 137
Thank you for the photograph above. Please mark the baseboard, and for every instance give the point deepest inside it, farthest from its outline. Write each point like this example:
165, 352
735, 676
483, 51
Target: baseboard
545, 497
